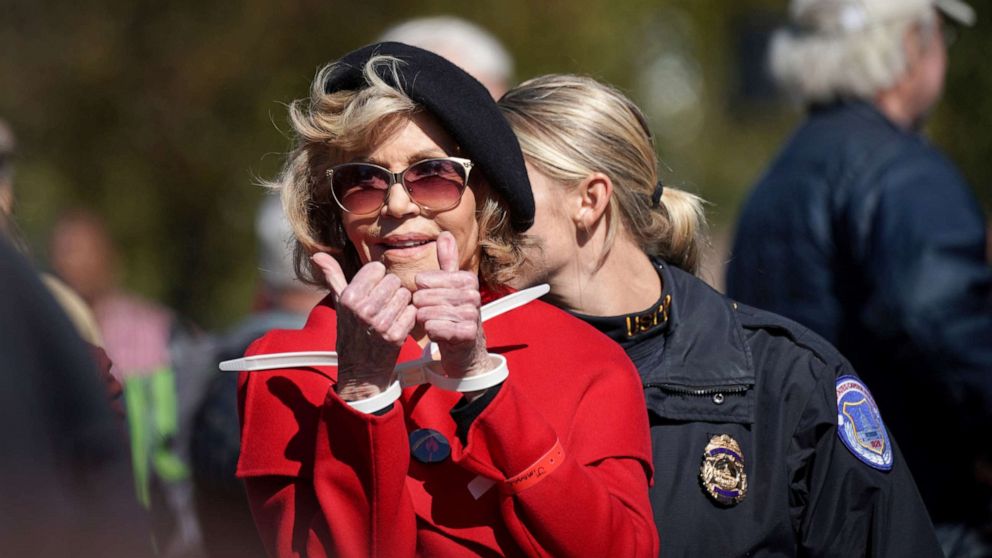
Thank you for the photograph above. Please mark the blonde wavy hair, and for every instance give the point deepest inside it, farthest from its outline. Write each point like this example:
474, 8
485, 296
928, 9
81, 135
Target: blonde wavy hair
328, 129
572, 126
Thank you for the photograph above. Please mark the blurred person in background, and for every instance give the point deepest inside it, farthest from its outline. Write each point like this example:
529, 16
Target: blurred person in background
750, 458
7, 145
65, 485
139, 337
8, 224
465, 44
66, 488
222, 507
866, 233
72, 304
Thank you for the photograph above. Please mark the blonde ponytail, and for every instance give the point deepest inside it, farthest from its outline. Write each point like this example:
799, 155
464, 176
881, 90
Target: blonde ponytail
572, 126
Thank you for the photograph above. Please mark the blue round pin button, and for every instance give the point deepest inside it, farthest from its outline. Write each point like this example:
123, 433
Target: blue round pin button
429, 446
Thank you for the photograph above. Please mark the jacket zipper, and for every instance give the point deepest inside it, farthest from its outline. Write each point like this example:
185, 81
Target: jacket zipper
700, 391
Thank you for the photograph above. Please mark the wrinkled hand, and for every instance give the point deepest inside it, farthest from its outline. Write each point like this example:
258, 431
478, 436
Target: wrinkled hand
448, 303
374, 318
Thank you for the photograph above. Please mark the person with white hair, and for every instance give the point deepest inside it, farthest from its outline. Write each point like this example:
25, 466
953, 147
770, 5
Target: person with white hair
866, 233
467, 45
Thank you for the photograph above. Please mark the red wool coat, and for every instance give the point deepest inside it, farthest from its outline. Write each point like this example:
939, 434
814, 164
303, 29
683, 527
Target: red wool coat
326, 480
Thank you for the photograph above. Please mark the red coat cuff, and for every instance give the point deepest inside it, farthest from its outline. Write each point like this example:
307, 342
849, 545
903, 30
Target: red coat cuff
509, 436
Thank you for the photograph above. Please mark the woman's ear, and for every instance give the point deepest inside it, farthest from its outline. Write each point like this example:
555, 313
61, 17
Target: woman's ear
594, 194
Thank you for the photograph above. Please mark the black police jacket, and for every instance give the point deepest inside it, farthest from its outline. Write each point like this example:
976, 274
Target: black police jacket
867, 234
715, 367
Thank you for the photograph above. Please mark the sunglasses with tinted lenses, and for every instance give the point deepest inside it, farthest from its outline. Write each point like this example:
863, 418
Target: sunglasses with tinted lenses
432, 184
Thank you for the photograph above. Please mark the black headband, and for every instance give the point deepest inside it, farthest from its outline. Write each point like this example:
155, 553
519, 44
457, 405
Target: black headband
462, 106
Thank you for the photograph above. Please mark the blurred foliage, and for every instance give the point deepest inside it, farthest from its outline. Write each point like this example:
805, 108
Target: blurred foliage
962, 125
162, 116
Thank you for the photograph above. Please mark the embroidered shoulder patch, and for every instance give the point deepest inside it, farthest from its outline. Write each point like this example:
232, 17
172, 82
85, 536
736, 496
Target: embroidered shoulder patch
860, 425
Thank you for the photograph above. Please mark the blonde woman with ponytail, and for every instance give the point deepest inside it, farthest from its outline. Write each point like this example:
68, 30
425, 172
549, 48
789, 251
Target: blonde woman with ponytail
750, 456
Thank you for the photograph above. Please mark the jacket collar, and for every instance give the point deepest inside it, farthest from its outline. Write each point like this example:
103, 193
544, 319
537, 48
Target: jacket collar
704, 342
857, 108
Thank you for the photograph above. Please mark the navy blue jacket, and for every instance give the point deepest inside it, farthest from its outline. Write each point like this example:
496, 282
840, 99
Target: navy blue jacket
715, 367
868, 235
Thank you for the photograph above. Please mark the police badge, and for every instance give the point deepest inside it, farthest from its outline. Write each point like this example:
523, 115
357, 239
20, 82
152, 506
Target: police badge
722, 472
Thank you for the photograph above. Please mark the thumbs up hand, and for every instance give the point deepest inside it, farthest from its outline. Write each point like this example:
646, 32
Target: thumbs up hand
374, 318
447, 303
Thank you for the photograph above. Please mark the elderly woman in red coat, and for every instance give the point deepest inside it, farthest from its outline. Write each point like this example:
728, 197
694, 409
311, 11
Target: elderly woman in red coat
438, 428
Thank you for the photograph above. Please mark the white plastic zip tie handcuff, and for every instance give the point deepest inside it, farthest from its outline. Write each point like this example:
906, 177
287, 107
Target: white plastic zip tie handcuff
378, 401
411, 373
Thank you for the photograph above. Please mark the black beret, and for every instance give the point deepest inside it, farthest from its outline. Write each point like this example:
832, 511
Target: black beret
463, 107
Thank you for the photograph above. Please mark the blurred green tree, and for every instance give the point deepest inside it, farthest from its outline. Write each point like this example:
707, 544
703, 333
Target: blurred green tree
161, 116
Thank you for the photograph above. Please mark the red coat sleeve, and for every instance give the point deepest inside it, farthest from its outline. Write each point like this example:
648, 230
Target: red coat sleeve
312, 493
356, 503
595, 503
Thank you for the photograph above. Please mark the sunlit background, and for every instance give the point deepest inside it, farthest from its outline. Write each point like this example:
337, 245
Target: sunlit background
163, 116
